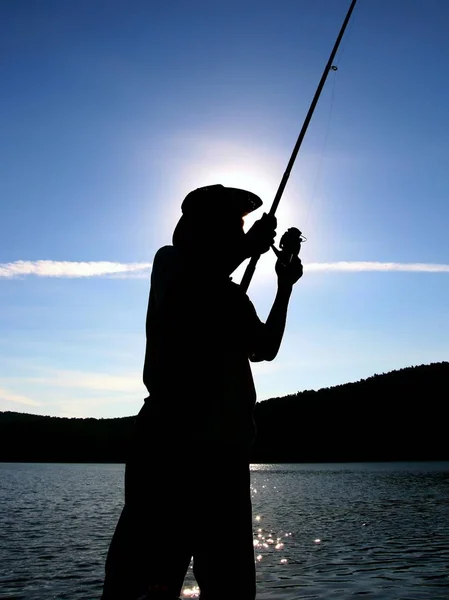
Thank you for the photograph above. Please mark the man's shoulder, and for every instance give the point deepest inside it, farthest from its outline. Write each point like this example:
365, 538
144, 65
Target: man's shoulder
165, 261
164, 270
165, 255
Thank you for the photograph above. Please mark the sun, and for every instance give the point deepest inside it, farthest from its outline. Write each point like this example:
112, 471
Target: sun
263, 183
236, 164
260, 181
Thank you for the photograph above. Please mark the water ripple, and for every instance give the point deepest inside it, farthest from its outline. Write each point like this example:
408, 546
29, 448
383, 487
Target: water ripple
320, 531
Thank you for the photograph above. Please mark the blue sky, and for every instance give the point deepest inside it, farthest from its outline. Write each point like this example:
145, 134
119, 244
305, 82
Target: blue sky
112, 111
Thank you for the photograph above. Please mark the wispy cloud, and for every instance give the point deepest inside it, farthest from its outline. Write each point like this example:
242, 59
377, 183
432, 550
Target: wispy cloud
361, 266
71, 392
54, 268
73, 269
8, 396
101, 382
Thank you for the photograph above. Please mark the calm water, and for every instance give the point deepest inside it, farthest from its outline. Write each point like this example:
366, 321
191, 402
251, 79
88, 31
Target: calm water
376, 531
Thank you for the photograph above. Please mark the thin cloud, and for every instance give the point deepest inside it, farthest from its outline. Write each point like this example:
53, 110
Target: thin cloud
7, 396
362, 267
54, 268
98, 382
73, 269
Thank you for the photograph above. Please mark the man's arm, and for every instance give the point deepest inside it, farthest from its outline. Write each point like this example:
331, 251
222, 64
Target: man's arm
273, 330
274, 327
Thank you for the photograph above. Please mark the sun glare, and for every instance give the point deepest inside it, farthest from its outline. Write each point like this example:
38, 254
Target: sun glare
235, 164
264, 183
260, 182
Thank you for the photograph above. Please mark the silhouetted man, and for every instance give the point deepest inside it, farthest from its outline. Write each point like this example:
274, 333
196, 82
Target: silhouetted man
187, 484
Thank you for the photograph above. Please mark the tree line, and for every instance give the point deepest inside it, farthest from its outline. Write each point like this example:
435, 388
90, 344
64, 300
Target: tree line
392, 416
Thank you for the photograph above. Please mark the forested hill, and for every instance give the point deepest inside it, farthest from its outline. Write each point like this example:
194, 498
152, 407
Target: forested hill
399, 415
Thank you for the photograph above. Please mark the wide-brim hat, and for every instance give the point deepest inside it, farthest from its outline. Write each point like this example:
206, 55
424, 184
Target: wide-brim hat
221, 199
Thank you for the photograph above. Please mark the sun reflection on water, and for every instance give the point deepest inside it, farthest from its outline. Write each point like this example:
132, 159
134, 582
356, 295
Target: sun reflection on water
279, 546
271, 547
267, 543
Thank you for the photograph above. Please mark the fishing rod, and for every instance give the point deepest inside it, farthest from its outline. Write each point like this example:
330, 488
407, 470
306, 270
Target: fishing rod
291, 241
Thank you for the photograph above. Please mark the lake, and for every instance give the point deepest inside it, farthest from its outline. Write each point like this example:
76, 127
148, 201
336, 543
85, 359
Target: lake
362, 530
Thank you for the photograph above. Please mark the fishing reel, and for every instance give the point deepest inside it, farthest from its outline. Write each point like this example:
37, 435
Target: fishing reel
290, 245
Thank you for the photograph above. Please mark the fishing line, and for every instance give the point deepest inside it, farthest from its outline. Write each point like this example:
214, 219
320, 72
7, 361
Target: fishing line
336, 66
322, 155
344, 43
251, 267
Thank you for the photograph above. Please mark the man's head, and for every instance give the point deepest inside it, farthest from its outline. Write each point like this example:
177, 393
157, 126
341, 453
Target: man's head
212, 224
221, 200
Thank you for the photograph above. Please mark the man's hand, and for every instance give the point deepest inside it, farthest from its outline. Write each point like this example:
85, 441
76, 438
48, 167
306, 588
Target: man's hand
290, 273
261, 236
